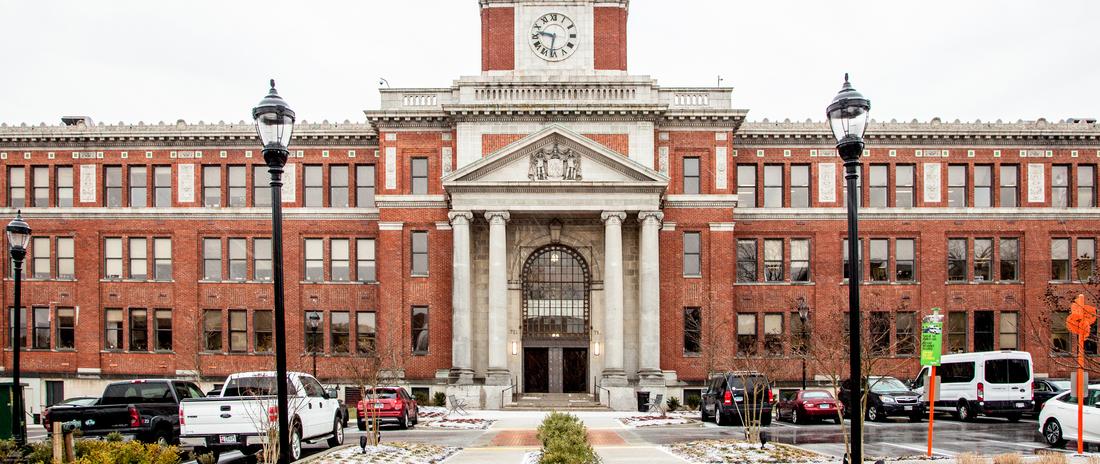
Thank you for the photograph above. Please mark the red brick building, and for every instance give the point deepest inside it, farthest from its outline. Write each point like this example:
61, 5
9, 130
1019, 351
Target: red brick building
552, 224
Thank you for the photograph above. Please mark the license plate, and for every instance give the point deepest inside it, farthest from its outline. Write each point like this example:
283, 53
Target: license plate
227, 439
739, 398
379, 406
908, 408
823, 406
1019, 405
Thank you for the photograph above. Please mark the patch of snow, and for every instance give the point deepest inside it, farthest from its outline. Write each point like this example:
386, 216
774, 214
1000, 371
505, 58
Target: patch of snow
389, 453
460, 423
532, 457
724, 451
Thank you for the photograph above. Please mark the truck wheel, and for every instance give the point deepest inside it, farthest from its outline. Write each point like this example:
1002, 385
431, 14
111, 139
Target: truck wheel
718, 418
337, 438
295, 443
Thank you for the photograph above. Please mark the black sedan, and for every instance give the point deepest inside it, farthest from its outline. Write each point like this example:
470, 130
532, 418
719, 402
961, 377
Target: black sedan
1045, 389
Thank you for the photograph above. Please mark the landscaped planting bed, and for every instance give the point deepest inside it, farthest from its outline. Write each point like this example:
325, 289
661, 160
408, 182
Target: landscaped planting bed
459, 423
724, 451
658, 420
389, 453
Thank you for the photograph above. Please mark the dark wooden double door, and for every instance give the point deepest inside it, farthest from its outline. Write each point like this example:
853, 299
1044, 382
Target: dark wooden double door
555, 370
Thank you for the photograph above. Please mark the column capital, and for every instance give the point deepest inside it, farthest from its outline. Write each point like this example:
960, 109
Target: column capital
655, 216
497, 217
613, 217
462, 218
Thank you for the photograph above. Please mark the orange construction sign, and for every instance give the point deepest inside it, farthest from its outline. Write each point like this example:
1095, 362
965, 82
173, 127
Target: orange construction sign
1081, 317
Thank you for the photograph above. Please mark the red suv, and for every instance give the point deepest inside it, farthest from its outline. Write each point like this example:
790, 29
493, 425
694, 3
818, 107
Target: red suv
387, 404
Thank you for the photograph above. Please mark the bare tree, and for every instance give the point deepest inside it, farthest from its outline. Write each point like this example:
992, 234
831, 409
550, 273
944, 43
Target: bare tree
382, 364
1045, 325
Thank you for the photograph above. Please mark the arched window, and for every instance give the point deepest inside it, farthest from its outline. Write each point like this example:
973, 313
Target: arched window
556, 285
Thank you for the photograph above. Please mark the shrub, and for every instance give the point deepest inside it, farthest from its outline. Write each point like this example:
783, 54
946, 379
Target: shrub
421, 398
565, 441
970, 458
692, 402
1008, 458
1052, 457
440, 399
94, 452
673, 403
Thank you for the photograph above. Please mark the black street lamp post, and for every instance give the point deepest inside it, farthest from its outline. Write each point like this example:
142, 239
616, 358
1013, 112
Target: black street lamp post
19, 234
314, 326
274, 123
803, 314
848, 118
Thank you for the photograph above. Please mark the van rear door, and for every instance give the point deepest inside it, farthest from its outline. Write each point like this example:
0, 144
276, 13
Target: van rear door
1008, 379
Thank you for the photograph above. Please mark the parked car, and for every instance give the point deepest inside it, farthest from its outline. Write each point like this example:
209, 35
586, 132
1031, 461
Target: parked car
77, 401
240, 418
801, 406
988, 383
145, 410
886, 397
1045, 389
388, 404
1058, 419
734, 396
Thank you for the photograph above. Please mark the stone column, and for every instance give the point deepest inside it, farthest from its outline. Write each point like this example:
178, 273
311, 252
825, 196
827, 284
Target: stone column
498, 299
613, 373
649, 297
462, 372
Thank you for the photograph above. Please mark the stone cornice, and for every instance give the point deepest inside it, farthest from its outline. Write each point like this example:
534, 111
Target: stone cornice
181, 135
933, 133
700, 201
411, 201
917, 214
198, 213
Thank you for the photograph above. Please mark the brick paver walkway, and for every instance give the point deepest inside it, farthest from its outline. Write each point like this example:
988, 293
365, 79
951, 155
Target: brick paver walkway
529, 438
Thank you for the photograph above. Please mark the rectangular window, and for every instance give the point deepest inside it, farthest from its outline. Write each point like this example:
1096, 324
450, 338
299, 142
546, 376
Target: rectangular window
212, 330
162, 258
162, 186
800, 186
956, 185
956, 259
746, 185
746, 260
262, 330
163, 329
40, 183
844, 253
365, 264
41, 321
800, 260
112, 258
419, 330
1059, 259
212, 186
880, 260
983, 330
113, 186
261, 259
238, 331
112, 337
1059, 335
17, 187
1010, 186
238, 187
905, 262
365, 332
879, 185
773, 260
746, 334
212, 259
903, 186
1010, 259
956, 332
693, 266
313, 186
315, 260
905, 324
420, 253
40, 264
66, 266
880, 332
238, 259
983, 186
773, 186
419, 173
693, 331
22, 325
64, 186
340, 327
1086, 186
66, 328
139, 259
139, 186
261, 186
1009, 330
691, 175
1086, 259
338, 186
139, 330
364, 185
340, 260
1059, 186
773, 334
983, 259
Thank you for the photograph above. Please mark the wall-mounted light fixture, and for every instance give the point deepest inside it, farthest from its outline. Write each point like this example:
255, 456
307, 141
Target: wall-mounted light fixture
596, 349
515, 347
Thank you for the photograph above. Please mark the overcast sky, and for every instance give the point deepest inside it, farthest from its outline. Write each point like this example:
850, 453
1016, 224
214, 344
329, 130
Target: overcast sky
145, 60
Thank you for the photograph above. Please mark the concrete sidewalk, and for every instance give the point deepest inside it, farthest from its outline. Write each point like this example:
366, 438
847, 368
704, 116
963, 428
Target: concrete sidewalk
610, 454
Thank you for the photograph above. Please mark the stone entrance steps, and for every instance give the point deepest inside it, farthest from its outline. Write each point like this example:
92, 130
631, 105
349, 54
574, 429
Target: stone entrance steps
555, 402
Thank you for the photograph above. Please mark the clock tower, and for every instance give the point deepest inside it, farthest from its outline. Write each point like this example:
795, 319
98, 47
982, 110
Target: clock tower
553, 37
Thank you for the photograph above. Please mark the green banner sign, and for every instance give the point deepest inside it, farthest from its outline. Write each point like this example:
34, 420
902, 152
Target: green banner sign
931, 339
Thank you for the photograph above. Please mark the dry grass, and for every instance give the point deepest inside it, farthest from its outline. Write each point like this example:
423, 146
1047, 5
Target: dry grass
970, 458
1048, 457
1094, 460
1008, 458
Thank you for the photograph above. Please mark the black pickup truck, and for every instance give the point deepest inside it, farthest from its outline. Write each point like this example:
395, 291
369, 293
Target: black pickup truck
145, 410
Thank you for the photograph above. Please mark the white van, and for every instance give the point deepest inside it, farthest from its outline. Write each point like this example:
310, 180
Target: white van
989, 383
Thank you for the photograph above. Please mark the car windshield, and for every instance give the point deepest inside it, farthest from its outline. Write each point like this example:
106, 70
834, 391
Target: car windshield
887, 385
816, 395
381, 394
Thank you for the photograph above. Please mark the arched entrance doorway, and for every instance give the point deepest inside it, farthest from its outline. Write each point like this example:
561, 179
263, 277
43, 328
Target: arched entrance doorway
556, 293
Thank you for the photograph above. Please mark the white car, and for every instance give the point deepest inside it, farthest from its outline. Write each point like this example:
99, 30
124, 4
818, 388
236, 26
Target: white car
1058, 419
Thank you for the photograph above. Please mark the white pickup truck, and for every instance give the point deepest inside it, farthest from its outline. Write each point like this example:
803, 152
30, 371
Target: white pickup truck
240, 418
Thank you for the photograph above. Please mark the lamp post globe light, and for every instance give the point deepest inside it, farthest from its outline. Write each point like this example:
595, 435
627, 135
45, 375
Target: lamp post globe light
803, 314
274, 123
19, 234
314, 328
848, 116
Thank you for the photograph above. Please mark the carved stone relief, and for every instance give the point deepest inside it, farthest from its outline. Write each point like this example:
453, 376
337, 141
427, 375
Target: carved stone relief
555, 163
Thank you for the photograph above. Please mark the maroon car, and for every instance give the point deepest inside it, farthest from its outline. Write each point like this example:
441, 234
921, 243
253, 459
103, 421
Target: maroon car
389, 405
808, 405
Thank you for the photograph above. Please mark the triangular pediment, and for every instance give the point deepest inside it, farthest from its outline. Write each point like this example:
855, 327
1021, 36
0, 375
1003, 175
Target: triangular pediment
555, 155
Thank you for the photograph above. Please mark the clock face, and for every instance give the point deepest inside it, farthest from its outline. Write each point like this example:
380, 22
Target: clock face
554, 37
